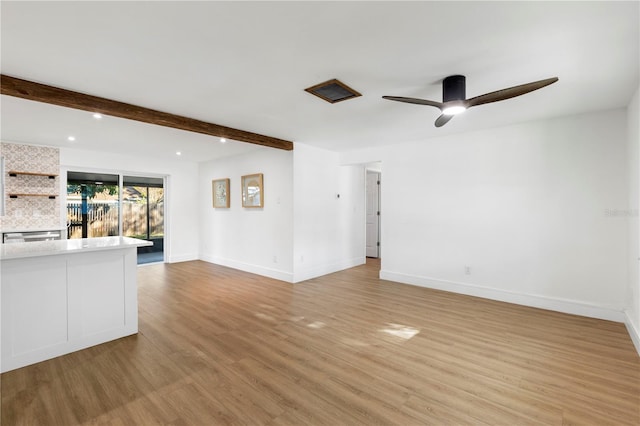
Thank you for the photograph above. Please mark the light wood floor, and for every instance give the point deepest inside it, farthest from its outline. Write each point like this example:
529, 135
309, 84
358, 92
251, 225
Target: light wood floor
218, 346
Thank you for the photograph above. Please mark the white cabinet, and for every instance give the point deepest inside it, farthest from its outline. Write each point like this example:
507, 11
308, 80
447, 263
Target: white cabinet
55, 304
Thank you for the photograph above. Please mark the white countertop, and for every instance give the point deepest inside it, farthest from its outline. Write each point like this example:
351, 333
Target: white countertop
57, 247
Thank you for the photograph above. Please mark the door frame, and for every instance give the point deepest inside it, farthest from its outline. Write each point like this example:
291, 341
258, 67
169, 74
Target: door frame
121, 173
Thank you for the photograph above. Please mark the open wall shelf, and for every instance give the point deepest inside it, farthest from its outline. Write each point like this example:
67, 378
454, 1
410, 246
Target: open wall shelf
51, 196
14, 173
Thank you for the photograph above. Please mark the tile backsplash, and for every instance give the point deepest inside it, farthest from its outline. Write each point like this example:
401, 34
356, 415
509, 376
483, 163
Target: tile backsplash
25, 213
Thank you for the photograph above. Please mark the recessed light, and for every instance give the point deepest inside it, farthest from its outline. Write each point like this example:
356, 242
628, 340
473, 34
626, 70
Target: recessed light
97, 116
71, 138
223, 140
178, 153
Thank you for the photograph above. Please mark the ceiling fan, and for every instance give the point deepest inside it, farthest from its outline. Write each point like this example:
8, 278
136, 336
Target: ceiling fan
453, 96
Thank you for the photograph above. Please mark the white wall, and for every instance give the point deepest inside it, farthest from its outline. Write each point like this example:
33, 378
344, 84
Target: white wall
524, 207
181, 197
329, 232
254, 240
304, 230
633, 155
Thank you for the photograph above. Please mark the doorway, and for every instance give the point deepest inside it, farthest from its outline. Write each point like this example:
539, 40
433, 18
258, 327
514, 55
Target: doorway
373, 181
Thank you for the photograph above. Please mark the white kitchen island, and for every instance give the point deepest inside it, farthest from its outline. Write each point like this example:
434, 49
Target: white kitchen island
58, 297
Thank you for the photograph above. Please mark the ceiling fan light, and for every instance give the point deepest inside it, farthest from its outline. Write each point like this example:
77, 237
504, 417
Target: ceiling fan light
454, 110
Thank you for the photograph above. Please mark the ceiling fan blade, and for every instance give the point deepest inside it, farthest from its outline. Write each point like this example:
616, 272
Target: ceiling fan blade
443, 119
414, 101
511, 92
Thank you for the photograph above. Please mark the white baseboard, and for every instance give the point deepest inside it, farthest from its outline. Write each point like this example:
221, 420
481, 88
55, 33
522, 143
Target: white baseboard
182, 258
303, 274
247, 267
553, 304
298, 276
634, 332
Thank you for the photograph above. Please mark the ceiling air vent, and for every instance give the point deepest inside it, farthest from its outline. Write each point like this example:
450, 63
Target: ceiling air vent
333, 91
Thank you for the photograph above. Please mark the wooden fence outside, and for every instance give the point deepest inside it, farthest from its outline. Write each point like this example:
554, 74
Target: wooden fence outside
102, 219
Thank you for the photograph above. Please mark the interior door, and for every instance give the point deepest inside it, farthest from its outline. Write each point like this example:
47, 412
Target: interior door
373, 214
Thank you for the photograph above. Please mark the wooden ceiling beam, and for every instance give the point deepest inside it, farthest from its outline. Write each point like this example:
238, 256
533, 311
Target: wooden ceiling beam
30, 90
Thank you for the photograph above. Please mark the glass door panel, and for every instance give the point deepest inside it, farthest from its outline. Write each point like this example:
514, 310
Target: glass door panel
92, 205
143, 215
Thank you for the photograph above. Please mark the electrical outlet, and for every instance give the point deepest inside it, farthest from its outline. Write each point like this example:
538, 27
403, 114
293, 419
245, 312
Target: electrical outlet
467, 270
275, 259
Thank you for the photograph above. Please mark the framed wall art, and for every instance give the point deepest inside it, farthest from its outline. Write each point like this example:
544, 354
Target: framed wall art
252, 191
220, 193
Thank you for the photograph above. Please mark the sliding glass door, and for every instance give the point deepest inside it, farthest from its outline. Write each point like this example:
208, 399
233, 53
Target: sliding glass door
143, 214
103, 205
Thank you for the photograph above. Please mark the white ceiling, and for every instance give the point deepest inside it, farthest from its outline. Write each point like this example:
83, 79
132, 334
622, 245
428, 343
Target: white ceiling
245, 65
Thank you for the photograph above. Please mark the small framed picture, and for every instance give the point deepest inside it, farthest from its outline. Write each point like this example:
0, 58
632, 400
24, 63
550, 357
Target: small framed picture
252, 191
220, 192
